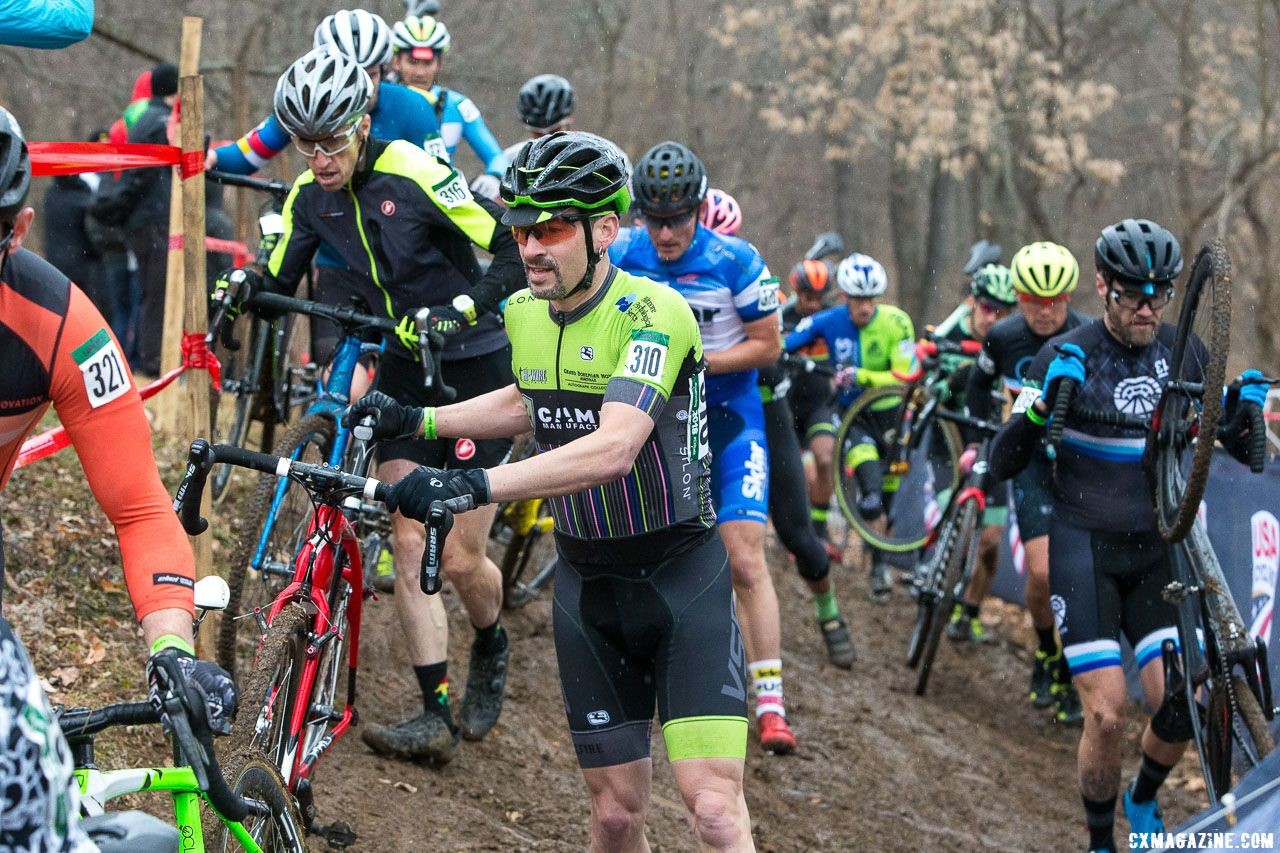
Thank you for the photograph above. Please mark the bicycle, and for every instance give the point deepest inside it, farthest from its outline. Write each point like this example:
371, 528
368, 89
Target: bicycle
254, 809
264, 385
280, 513
287, 709
523, 529
920, 451
942, 579
1225, 665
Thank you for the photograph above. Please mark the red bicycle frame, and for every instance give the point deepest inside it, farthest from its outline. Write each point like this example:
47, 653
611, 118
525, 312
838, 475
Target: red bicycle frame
313, 585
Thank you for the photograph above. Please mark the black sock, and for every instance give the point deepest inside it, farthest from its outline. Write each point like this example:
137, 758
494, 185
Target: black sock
492, 639
434, 681
1100, 817
970, 611
1151, 776
1048, 643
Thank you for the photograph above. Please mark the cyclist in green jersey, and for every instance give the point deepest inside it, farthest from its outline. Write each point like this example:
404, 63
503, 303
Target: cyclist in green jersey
609, 372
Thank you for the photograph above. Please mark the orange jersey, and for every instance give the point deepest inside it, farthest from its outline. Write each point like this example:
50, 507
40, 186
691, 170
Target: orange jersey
56, 348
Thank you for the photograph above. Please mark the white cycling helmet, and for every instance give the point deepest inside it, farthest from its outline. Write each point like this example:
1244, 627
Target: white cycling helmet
321, 94
421, 32
422, 7
361, 35
861, 275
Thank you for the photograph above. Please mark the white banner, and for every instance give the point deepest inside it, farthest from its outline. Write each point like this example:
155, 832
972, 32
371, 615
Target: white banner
1266, 561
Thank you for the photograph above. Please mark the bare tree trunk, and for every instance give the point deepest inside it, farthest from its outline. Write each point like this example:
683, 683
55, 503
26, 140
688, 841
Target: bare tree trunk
844, 203
1187, 73
932, 284
905, 232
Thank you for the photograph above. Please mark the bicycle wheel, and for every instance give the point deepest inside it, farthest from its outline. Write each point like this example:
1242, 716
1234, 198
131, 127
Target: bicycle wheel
1186, 420
1235, 739
309, 440
273, 822
270, 692
960, 545
932, 467
531, 544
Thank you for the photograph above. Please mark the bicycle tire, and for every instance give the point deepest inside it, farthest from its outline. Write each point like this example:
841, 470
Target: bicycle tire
1223, 738
255, 778
271, 689
925, 613
1177, 499
846, 485
958, 553
316, 431
524, 549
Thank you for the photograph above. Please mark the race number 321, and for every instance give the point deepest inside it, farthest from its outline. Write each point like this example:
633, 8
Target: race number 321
646, 355
102, 369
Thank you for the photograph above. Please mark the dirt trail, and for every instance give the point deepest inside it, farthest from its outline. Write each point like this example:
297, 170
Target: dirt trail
970, 767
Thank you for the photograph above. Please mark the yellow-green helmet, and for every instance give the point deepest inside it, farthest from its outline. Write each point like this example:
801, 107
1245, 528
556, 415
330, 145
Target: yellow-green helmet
421, 32
1045, 270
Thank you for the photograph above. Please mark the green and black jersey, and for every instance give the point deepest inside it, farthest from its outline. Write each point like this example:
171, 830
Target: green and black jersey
635, 342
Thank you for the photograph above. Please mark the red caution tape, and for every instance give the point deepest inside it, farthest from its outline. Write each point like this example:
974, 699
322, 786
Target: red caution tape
195, 355
74, 158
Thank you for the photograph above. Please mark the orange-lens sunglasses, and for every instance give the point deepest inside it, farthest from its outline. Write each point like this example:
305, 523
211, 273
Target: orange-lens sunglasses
1042, 300
547, 233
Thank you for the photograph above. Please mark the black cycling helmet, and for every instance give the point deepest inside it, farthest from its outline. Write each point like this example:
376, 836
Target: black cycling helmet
982, 253
669, 179
545, 101
567, 172
15, 168
1138, 250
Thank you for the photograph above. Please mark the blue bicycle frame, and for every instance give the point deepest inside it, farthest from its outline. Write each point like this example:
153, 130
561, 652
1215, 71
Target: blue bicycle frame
333, 397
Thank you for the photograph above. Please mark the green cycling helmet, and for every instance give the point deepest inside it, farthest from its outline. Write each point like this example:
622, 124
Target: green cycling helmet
1045, 270
565, 173
993, 282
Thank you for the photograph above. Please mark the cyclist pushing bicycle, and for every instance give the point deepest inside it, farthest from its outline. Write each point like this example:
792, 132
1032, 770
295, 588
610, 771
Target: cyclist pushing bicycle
1108, 561
56, 348
609, 373
409, 222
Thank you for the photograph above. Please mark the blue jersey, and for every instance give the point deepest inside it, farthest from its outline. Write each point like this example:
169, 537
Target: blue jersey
401, 113
459, 118
725, 282
876, 350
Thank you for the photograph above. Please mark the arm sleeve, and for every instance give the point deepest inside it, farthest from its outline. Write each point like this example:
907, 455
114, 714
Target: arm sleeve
47, 24
296, 247
1013, 446
650, 361
251, 152
805, 333
99, 405
480, 138
758, 293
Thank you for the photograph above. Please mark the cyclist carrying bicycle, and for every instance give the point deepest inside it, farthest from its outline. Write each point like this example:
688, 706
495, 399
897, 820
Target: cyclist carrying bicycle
609, 373
788, 497
56, 348
419, 44
868, 341
991, 297
1107, 561
1044, 275
408, 222
735, 299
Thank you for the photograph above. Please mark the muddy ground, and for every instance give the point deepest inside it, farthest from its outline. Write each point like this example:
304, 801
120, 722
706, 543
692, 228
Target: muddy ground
970, 767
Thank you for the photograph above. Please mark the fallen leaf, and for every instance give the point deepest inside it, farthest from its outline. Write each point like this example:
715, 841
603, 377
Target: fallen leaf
515, 816
97, 651
405, 786
47, 687
66, 674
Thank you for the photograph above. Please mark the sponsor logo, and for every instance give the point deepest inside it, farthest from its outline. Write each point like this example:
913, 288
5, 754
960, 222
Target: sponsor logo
567, 417
1059, 605
625, 302
690, 278
753, 484
587, 353
736, 687
1162, 368
174, 580
985, 364
844, 349
1137, 395
598, 718
531, 375
388, 207
682, 415
464, 449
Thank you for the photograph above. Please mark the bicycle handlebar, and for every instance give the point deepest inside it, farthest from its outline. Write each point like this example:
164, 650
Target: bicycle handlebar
316, 478
439, 523
927, 350
276, 188
806, 364
1061, 404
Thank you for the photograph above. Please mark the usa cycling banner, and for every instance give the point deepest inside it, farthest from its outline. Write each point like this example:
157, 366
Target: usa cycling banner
1266, 560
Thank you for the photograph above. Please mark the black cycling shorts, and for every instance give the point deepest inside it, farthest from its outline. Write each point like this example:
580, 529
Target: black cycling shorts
1103, 582
402, 379
1031, 499
665, 635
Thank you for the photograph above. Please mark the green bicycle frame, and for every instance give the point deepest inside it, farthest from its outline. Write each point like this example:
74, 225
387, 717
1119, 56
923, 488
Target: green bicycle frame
96, 787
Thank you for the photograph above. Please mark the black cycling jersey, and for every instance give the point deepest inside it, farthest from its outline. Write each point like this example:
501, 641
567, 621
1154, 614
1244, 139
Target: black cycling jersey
1006, 354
